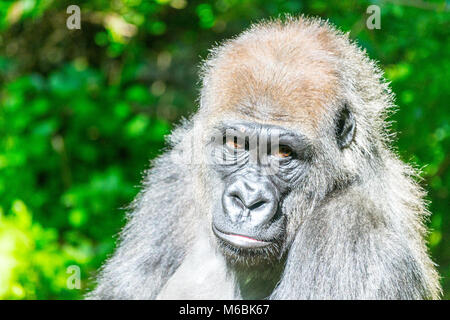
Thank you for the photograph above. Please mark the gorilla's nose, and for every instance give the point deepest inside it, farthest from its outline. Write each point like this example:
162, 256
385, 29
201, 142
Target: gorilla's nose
253, 202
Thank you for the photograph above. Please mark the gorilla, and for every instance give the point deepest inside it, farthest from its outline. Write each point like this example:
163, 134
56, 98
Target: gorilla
281, 186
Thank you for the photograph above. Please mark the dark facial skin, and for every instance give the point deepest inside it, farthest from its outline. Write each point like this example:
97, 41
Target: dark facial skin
259, 165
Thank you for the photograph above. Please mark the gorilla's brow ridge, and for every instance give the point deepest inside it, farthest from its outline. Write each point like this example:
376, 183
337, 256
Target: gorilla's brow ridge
296, 140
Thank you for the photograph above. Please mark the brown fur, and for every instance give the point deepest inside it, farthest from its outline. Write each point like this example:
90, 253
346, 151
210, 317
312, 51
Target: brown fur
276, 71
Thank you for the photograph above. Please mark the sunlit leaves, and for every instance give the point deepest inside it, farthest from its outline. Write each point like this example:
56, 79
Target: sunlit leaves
206, 15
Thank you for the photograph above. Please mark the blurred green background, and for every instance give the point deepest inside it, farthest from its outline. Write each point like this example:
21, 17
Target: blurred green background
82, 112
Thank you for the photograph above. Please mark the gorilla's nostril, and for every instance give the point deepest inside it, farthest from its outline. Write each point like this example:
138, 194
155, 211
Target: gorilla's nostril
256, 205
249, 203
236, 198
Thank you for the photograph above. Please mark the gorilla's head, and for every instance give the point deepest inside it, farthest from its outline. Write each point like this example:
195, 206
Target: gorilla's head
259, 165
280, 104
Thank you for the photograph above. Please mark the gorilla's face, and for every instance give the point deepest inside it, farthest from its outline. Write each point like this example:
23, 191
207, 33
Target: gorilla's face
259, 165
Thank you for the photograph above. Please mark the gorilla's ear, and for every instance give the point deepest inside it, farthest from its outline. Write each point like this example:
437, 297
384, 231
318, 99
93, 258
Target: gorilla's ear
345, 127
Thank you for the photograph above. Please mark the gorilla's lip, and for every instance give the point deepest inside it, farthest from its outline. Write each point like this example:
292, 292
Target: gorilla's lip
239, 240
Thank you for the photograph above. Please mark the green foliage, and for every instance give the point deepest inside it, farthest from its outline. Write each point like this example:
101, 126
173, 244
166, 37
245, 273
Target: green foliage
82, 111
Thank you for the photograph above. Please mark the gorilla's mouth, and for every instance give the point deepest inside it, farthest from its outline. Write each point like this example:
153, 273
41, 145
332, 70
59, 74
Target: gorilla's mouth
240, 241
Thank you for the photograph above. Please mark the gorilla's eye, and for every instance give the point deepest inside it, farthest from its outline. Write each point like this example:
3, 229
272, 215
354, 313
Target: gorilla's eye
283, 152
234, 144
